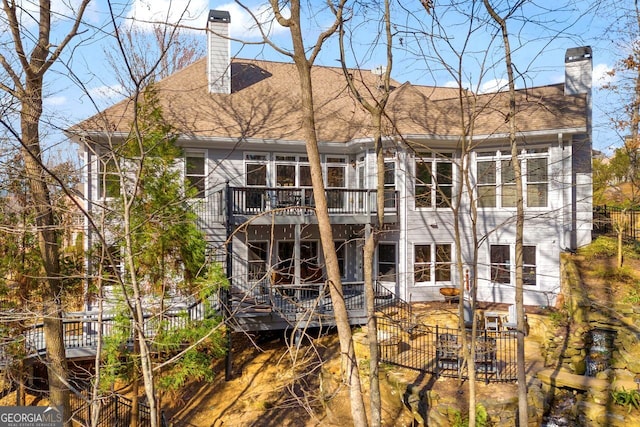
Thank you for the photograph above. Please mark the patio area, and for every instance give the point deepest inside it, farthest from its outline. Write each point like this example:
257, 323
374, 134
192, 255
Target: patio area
432, 341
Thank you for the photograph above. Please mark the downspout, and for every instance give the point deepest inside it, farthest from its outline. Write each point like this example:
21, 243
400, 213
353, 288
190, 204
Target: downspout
401, 211
563, 191
226, 293
86, 241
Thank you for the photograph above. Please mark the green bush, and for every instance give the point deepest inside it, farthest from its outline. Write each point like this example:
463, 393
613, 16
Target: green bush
627, 398
605, 246
482, 418
558, 317
634, 295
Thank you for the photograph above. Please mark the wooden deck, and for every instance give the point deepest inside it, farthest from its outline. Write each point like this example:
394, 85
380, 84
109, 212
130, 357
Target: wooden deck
278, 309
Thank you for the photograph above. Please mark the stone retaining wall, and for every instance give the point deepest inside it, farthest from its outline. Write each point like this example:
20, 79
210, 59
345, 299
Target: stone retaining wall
567, 353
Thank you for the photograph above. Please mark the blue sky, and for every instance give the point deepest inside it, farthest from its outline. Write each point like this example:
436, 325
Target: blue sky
538, 50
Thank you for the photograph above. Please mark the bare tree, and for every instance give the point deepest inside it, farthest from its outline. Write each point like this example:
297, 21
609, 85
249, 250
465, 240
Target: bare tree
26, 73
140, 170
304, 64
501, 21
625, 117
173, 44
373, 101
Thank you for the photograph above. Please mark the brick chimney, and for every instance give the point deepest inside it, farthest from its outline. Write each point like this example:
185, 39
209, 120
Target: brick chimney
578, 70
218, 52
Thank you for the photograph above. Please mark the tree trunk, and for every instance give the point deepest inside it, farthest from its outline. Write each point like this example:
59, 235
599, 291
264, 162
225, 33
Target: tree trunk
619, 257
137, 316
47, 239
135, 386
20, 387
341, 316
350, 365
375, 403
32, 67
523, 416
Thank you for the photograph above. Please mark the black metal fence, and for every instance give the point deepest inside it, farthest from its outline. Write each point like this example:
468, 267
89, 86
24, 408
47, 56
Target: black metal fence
439, 351
114, 410
605, 219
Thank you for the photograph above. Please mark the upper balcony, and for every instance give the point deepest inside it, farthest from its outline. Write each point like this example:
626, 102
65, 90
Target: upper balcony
291, 205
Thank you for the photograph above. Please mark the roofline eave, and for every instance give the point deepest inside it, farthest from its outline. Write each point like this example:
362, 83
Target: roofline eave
497, 136
351, 145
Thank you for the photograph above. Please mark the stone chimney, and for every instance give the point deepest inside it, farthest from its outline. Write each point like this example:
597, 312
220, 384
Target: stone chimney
218, 52
578, 70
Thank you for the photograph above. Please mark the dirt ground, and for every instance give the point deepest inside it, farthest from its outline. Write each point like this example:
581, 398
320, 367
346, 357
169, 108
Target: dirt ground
261, 393
602, 283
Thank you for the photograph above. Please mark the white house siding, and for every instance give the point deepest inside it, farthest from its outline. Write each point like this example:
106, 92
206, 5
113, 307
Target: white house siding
550, 229
225, 165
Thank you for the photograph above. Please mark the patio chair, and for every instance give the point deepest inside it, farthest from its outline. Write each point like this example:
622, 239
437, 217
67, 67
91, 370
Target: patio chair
448, 353
468, 314
491, 321
510, 321
485, 356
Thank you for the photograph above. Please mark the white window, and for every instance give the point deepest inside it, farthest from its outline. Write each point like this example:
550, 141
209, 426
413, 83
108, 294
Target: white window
389, 183
503, 264
508, 181
195, 174
285, 170
387, 262
529, 265
255, 168
432, 263
537, 182
292, 170
496, 185
487, 184
336, 178
500, 264
433, 186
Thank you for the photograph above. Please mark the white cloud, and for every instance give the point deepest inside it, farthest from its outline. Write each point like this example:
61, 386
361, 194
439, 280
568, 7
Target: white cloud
601, 76
53, 101
194, 14
494, 85
243, 25
28, 11
107, 94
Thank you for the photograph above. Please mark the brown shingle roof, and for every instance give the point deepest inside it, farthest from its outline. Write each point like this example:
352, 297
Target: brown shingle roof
264, 104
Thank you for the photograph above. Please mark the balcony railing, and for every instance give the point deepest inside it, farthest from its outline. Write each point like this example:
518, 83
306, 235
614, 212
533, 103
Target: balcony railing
291, 200
81, 329
285, 201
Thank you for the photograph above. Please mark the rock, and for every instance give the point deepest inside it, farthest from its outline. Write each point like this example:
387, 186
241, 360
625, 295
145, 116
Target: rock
624, 309
590, 412
631, 360
572, 351
578, 364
